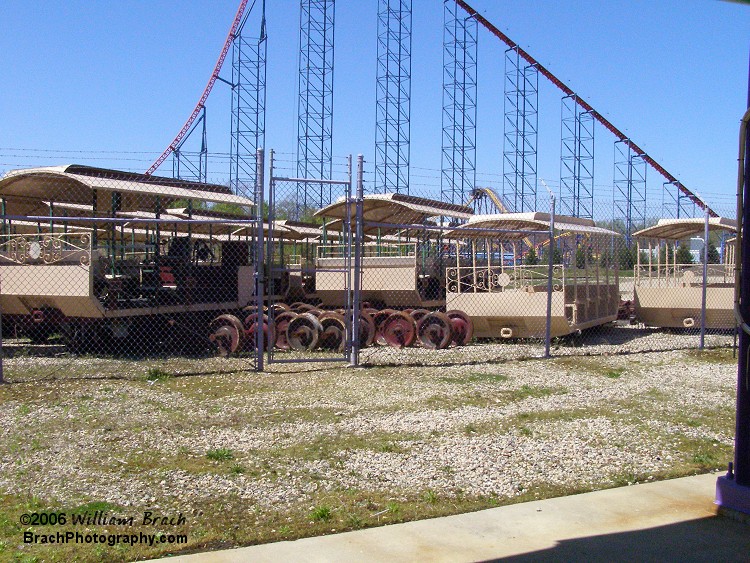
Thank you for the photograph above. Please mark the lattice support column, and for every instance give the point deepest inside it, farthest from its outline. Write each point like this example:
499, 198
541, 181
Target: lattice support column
192, 165
576, 160
248, 106
315, 102
458, 177
393, 97
675, 204
629, 189
520, 132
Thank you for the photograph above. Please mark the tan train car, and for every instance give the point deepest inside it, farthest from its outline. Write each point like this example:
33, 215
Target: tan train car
401, 264
668, 293
98, 279
507, 298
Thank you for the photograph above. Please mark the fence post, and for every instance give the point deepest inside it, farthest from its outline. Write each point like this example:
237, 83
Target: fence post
354, 357
550, 269
1, 345
705, 281
260, 267
346, 232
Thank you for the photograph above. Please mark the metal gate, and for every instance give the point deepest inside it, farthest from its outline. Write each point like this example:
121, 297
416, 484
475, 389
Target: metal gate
298, 252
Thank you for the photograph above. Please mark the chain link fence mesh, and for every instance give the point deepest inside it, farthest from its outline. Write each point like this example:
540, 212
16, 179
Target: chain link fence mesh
125, 271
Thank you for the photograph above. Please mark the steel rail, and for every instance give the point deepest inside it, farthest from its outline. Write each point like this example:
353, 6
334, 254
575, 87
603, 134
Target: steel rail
586, 106
206, 91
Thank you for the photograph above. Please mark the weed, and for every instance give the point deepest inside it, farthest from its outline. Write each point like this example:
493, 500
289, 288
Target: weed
614, 373
157, 374
393, 508
321, 514
237, 468
354, 521
470, 428
220, 454
430, 497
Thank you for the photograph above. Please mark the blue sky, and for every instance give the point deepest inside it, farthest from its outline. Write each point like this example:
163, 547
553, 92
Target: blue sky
111, 83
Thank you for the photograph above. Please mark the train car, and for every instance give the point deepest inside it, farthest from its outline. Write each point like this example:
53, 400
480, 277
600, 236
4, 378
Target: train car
669, 290
402, 263
112, 254
507, 298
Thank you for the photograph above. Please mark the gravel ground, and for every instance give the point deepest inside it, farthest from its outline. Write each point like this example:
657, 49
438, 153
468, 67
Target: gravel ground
487, 421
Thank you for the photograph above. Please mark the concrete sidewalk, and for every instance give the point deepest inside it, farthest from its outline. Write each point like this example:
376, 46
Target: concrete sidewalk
666, 521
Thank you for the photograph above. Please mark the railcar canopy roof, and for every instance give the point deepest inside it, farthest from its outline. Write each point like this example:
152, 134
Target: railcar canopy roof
30, 191
677, 229
398, 210
509, 226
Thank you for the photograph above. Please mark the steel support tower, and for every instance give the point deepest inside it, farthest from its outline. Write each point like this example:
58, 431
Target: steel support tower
576, 160
248, 104
393, 97
315, 104
520, 132
629, 188
192, 165
459, 105
676, 204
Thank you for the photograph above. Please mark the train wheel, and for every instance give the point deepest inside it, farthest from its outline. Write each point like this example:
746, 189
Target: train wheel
251, 328
226, 333
300, 307
303, 332
399, 330
463, 328
435, 331
366, 330
333, 336
379, 318
417, 314
281, 322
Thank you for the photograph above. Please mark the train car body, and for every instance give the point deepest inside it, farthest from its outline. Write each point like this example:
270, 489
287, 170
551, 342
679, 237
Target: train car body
110, 249
508, 298
668, 292
401, 262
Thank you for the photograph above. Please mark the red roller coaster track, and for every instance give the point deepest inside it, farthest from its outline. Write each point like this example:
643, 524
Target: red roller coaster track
207, 90
585, 105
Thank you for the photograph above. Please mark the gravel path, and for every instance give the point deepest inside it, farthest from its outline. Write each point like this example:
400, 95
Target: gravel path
496, 429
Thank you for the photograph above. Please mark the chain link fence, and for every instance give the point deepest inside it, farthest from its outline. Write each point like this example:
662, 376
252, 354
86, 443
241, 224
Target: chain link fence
104, 264
122, 267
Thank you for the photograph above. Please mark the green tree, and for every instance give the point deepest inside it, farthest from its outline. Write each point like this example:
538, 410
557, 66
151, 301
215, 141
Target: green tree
557, 257
531, 258
713, 254
627, 257
683, 254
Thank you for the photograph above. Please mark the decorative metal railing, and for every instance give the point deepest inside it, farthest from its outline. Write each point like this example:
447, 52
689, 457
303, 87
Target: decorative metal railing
468, 279
682, 275
46, 248
407, 249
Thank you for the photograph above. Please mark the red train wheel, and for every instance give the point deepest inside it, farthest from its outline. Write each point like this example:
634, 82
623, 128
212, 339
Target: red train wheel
226, 333
303, 332
379, 318
417, 314
333, 336
300, 307
463, 328
281, 322
366, 330
435, 331
399, 330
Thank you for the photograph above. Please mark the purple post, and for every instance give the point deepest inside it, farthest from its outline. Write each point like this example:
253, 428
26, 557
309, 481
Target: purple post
733, 489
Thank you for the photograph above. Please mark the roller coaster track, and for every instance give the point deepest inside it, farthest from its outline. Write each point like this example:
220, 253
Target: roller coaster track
586, 106
206, 91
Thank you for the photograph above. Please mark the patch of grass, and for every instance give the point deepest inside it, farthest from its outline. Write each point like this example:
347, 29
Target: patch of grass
713, 355
614, 373
430, 497
476, 377
237, 468
220, 454
157, 374
530, 391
